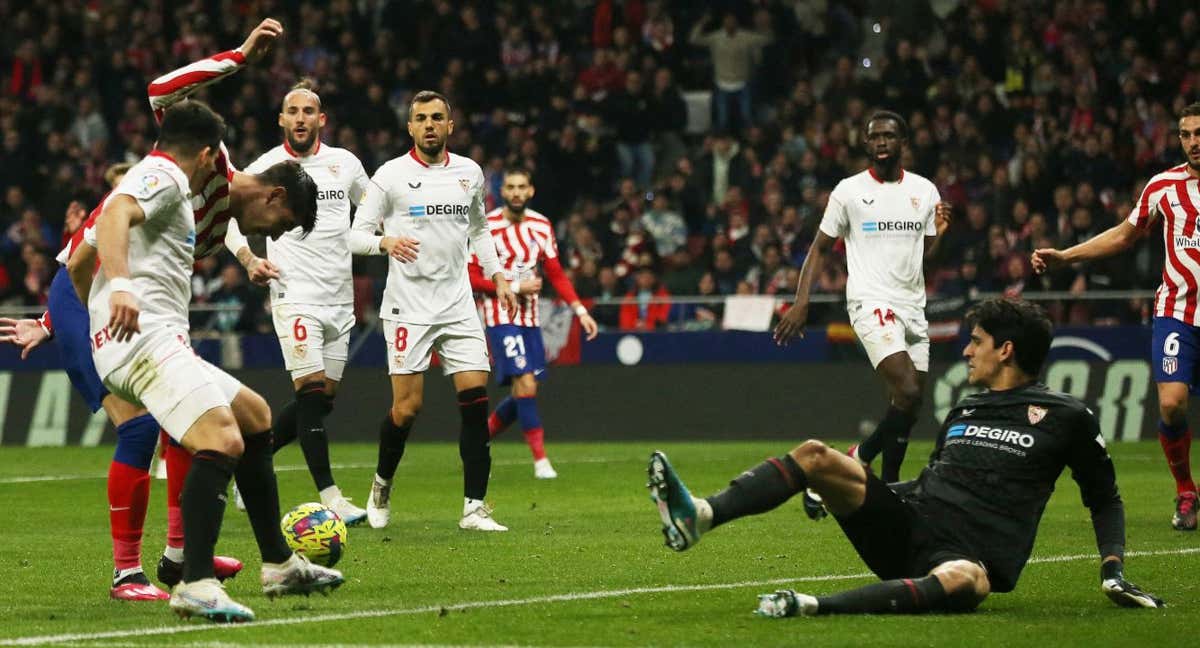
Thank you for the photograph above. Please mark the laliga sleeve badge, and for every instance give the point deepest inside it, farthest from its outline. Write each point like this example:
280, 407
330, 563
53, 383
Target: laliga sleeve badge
150, 184
1036, 414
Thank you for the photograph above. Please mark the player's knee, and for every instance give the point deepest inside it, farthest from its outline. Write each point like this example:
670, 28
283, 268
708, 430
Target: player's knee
252, 412
907, 395
965, 583
813, 456
525, 386
405, 411
1173, 408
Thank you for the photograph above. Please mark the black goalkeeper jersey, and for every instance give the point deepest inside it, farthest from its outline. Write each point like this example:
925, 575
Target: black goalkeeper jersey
998, 456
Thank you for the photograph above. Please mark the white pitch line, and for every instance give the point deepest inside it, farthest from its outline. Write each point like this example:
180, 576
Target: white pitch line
553, 598
33, 479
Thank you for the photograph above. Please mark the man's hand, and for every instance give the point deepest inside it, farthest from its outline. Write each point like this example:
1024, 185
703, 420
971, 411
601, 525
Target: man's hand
259, 42
123, 318
25, 333
1121, 591
261, 271
401, 248
792, 323
941, 217
1047, 259
505, 294
531, 286
589, 326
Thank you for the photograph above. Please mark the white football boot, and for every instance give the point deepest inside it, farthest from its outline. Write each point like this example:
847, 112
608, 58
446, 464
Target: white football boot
477, 516
379, 508
786, 603
207, 598
352, 515
237, 499
543, 470
297, 575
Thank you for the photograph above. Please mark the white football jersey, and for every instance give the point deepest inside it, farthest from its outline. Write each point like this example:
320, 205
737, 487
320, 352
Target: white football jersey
315, 269
442, 207
160, 249
884, 225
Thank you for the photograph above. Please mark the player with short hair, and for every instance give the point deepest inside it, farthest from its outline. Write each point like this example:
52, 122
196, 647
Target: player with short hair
138, 305
1174, 197
437, 198
524, 238
312, 300
966, 526
891, 220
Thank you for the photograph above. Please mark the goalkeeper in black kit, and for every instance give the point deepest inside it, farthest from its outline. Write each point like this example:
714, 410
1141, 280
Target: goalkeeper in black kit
965, 527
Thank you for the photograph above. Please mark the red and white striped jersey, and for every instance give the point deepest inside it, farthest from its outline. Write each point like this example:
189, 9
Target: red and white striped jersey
211, 204
521, 247
1174, 195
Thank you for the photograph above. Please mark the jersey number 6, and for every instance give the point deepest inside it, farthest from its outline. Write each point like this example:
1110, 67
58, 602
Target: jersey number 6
299, 333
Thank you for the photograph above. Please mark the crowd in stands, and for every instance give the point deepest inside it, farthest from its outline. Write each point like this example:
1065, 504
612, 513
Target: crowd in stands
1040, 121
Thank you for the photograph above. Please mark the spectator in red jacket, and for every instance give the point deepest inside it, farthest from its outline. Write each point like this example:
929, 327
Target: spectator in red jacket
638, 312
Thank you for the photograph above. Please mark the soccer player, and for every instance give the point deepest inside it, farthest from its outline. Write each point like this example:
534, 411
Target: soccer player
1172, 196
523, 238
966, 526
66, 319
891, 220
138, 304
436, 197
313, 299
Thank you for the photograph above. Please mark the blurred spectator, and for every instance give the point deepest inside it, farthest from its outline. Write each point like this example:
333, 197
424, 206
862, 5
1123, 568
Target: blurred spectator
244, 304
628, 113
638, 311
665, 226
735, 54
29, 230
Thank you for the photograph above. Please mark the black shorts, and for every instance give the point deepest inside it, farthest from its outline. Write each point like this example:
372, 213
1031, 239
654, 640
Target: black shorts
902, 538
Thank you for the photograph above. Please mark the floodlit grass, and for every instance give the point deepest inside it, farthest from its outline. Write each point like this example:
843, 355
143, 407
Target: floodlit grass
583, 563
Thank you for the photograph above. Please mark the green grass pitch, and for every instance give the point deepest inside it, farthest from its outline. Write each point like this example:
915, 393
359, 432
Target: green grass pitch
583, 564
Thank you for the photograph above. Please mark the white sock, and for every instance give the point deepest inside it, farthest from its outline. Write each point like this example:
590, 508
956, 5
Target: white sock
382, 482
331, 494
703, 514
120, 574
470, 505
174, 554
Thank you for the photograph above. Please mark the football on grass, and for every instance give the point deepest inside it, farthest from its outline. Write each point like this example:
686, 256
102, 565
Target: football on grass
316, 531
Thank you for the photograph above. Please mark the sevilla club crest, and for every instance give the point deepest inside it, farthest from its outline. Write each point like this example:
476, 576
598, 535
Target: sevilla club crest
335, 169
1036, 414
916, 203
465, 184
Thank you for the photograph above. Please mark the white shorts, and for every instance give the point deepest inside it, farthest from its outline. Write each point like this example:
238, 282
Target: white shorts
314, 338
885, 330
460, 346
159, 371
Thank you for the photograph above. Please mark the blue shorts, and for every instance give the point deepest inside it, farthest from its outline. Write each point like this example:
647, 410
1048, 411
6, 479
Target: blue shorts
1175, 351
517, 350
71, 331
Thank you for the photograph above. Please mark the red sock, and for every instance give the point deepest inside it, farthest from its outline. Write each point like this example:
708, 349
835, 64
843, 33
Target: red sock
535, 439
179, 461
495, 425
128, 493
1177, 451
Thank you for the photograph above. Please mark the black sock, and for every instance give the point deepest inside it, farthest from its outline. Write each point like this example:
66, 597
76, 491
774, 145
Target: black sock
284, 430
896, 427
312, 406
900, 596
256, 481
391, 446
202, 502
474, 444
758, 490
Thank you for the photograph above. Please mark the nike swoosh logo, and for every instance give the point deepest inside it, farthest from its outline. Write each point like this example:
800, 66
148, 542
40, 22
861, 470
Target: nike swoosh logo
118, 508
968, 412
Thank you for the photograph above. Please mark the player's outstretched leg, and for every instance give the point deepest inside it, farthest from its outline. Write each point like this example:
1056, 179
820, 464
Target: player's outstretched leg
170, 565
955, 586
475, 451
306, 420
128, 494
283, 572
755, 491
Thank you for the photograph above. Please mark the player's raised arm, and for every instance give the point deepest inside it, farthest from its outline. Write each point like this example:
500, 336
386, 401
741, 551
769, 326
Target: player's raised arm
81, 266
1105, 244
940, 222
121, 212
25, 333
176, 85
